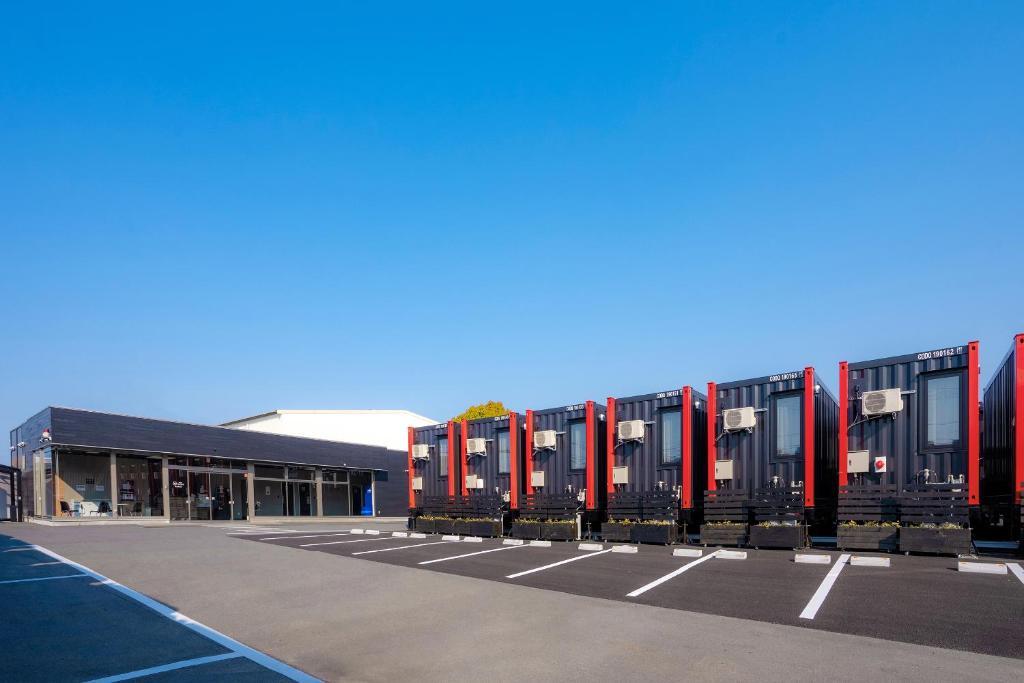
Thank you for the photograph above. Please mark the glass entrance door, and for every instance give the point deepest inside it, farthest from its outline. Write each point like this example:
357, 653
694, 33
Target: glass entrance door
220, 496
239, 497
199, 498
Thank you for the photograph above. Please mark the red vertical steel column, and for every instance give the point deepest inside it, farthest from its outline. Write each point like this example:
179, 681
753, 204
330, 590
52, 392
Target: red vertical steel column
808, 437
464, 456
712, 450
686, 499
528, 488
608, 485
844, 441
591, 464
513, 461
1018, 411
974, 435
412, 494
453, 463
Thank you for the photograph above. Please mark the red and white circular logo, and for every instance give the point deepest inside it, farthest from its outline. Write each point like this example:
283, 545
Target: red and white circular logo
879, 464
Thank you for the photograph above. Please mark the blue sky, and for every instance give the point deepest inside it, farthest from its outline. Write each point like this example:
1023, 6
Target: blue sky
213, 212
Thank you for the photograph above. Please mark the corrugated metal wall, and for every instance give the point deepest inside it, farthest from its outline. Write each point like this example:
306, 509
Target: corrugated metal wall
555, 463
486, 466
434, 484
998, 435
899, 438
826, 448
643, 458
392, 486
752, 454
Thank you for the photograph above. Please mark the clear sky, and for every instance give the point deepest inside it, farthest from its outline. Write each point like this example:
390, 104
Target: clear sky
209, 212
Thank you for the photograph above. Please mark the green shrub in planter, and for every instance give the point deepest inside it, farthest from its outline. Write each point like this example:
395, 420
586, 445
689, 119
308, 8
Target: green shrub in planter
558, 530
881, 536
723, 533
777, 535
526, 528
944, 539
617, 530
660, 532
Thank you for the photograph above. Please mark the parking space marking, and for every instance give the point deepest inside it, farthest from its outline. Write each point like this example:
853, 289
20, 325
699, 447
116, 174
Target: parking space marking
45, 578
558, 564
358, 540
292, 538
826, 585
1017, 571
177, 617
401, 547
671, 575
173, 666
479, 552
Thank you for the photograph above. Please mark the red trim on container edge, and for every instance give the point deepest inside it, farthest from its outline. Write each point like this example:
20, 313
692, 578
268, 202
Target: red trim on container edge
808, 437
453, 463
712, 423
973, 436
610, 417
528, 474
513, 461
1018, 446
464, 456
686, 500
412, 494
591, 465
844, 439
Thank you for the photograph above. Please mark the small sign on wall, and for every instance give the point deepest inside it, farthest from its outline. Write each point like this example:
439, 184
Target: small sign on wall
80, 488
99, 487
268, 490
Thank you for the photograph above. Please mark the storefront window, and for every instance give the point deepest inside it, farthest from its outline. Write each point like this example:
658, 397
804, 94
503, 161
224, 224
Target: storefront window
139, 487
85, 485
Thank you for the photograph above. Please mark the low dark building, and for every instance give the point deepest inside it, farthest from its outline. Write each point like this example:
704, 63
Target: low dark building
81, 464
434, 467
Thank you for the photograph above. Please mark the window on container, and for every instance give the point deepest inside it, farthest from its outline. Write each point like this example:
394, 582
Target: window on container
942, 410
787, 426
442, 450
578, 445
503, 452
670, 425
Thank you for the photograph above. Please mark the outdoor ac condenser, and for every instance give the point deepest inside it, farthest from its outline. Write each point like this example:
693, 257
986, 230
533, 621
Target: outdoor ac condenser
544, 439
420, 451
735, 419
476, 446
881, 402
631, 430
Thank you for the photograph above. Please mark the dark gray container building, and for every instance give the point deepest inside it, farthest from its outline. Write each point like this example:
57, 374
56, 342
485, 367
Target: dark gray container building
492, 458
434, 467
771, 455
1002, 463
657, 445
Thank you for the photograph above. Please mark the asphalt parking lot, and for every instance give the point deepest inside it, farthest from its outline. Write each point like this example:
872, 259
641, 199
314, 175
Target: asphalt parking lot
916, 599
482, 609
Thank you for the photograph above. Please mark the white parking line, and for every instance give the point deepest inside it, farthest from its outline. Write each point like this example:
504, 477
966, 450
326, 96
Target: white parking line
401, 547
826, 585
291, 538
557, 564
358, 540
479, 552
671, 575
260, 658
173, 666
1017, 571
45, 578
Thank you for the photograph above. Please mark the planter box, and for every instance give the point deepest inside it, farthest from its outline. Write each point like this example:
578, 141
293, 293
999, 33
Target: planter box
723, 535
487, 529
462, 527
425, 526
612, 531
940, 541
663, 534
525, 529
558, 532
868, 538
444, 526
791, 537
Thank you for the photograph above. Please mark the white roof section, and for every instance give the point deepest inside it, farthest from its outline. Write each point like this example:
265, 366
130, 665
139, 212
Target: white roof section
388, 428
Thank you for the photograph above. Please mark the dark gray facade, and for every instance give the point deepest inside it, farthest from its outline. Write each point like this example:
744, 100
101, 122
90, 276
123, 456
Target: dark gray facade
55, 430
497, 475
436, 479
1002, 464
660, 460
561, 474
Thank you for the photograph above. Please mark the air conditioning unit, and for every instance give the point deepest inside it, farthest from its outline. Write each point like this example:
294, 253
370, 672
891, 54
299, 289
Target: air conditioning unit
421, 451
735, 419
544, 439
537, 479
476, 446
881, 402
417, 483
620, 475
858, 462
723, 470
631, 430
474, 482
